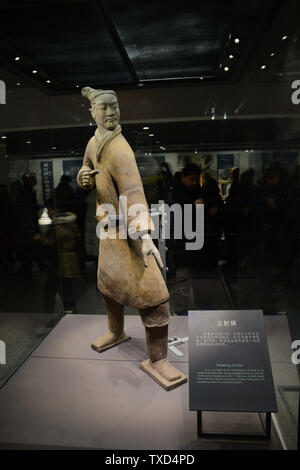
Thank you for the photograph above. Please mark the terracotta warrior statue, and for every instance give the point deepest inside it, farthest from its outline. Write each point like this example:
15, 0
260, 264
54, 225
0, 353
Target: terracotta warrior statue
129, 267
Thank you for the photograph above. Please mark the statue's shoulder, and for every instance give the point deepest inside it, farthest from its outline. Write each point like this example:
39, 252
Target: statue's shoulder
120, 145
91, 143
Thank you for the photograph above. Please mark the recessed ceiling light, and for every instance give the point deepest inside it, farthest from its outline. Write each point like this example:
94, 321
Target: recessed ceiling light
34, 71
4, 137
48, 81
263, 67
231, 56
28, 142
146, 128
226, 69
284, 38
236, 40
17, 58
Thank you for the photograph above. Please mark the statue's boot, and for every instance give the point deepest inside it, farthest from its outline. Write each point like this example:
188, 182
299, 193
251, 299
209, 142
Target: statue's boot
158, 366
115, 334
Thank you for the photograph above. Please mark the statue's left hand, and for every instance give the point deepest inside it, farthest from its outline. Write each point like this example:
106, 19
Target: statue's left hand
149, 248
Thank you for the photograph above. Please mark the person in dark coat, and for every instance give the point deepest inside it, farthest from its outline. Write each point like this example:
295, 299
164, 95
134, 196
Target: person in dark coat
65, 194
61, 247
186, 190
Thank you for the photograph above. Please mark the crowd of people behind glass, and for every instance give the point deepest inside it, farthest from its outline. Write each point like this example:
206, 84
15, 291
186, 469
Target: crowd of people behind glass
255, 226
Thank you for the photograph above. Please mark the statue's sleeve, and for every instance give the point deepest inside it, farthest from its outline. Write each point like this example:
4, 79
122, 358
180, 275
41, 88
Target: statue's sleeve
126, 177
87, 164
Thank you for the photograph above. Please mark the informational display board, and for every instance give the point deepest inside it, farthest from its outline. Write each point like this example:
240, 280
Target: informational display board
229, 362
47, 179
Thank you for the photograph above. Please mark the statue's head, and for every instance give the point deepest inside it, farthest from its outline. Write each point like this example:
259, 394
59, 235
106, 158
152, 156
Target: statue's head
104, 107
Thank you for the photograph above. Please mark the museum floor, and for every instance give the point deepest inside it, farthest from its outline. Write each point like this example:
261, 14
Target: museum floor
65, 395
23, 332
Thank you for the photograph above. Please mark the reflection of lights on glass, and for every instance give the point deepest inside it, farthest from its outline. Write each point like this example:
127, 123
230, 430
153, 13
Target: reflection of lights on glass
48, 81
272, 54
201, 78
263, 67
236, 40
4, 137
18, 83
151, 135
34, 71
226, 69
28, 142
145, 128
284, 38
231, 56
196, 151
17, 58
225, 115
213, 117
77, 86
53, 148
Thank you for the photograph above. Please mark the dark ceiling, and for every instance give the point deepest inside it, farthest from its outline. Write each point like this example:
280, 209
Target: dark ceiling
131, 43
127, 44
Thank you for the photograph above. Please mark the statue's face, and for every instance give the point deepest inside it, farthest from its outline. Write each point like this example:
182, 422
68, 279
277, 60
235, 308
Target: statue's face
106, 111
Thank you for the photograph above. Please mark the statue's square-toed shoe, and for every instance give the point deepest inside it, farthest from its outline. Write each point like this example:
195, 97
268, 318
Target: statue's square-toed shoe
109, 340
166, 375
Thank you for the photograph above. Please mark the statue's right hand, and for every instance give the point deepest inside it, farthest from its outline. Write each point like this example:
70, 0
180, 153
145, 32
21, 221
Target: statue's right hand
87, 178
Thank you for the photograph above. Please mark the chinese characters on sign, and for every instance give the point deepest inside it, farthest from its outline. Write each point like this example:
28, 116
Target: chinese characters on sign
47, 179
226, 323
210, 338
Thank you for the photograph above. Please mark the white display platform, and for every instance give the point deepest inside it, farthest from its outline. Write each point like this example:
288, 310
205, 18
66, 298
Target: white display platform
67, 395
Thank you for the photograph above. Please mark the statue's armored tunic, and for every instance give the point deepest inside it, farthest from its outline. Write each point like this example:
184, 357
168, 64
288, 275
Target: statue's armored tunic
122, 275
